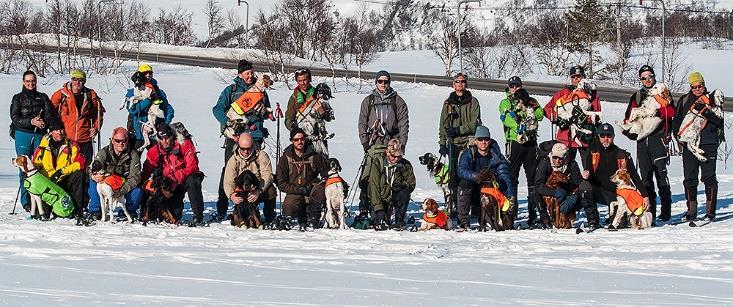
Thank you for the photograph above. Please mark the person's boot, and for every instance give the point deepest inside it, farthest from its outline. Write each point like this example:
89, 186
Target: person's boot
380, 220
711, 197
691, 197
665, 202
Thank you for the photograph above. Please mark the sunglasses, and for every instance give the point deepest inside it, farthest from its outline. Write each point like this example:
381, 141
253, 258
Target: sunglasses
650, 77
576, 76
483, 139
77, 79
460, 82
698, 87
29, 81
120, 141
380, 81
298, 139
244, 149
515, 86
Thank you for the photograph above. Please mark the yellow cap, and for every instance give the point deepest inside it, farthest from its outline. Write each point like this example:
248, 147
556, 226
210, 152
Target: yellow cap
695, 78
78, 74
145, 68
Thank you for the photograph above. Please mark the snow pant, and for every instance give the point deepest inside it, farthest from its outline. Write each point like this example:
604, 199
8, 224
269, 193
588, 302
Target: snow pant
192, 186
133, 199
590, 197
307, 209
222, 204
87, 150
25, 144
651, 153
584, 154
75, 185
397, 206
453, 151
524, 155
468, 197
268, 208
692, 167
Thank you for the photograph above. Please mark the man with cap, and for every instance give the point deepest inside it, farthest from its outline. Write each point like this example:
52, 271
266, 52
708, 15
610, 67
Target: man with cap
708, 105
459, 117
520, 115
577, 73
651, 151
81, 112
139, 110
245, 79
301, 174
383, 116
180, 164
60, 159
566, 194
391, 181
30, 113
603, 160
305, 110
483, 154
119, 160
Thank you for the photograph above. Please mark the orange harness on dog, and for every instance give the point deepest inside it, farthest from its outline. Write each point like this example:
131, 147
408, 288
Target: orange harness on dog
440, 218
633, 200
572, 96
500, 198
332, 180
115, 181
706, 101
247, 102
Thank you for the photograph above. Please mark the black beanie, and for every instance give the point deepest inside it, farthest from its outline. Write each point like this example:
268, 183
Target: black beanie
295, 131
243, 65
646, 68
383, 73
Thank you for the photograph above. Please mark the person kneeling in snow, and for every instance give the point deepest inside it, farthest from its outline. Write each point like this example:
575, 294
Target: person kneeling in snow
118, 159
565, 194
391, 181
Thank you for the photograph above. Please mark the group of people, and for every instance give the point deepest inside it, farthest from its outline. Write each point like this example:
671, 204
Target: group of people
58, 134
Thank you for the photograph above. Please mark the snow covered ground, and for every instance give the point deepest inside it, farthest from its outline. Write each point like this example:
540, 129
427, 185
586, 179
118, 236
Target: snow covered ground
62, 264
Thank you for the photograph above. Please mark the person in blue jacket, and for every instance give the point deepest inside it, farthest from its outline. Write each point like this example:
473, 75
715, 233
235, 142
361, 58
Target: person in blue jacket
484, 154
139, 111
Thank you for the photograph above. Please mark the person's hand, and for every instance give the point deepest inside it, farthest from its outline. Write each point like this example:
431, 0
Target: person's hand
585, 174
646, 203
253, 196
236, 199
512, 114
38, 122
304, 190
97, 177
443, 151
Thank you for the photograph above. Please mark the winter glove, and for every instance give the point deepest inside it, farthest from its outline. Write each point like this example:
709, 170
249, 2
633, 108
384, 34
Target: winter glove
502, 117
512, 114
451, 132
55, 176
304, 190
521, 128
560, 195
443, 151
568, 204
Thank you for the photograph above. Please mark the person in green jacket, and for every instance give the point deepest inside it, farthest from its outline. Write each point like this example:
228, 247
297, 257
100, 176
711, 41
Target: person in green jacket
391, 181
460, 115
520, 114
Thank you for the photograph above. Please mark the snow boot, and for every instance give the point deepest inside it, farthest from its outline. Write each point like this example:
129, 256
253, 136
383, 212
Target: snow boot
665, 201
380, 221
691, 197
711, 199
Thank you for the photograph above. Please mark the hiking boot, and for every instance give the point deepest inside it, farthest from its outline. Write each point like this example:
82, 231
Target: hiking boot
381, 226
691, 201
711, 201
398, 226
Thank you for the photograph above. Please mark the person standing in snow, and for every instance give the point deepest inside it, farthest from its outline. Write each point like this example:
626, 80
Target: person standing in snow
307, 110
244, 80
459, 117
520, 115
139, 110
383, 116
577, 73
651, 151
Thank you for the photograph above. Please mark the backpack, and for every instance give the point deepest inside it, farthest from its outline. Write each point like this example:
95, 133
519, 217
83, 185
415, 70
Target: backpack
392, 102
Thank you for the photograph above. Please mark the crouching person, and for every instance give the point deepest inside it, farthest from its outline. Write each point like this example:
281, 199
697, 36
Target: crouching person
556, 182
180, 165
483, 154
60, 159
391, 181
118, 160
249, 158
300, 174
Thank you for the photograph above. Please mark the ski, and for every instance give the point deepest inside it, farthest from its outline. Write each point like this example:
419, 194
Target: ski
699, 223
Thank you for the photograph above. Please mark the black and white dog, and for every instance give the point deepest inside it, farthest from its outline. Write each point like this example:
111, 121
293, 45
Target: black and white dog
336, 189
439, 171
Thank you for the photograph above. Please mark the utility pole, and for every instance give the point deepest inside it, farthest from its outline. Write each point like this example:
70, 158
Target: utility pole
664, 39
246, 24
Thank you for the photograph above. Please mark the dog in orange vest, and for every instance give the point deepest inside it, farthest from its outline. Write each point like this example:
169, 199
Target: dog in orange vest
628, 202
434, 218
335, 213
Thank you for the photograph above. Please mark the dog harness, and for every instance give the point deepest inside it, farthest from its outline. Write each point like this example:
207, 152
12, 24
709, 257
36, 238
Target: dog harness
115, 181
706, 102
246, 102
439, 218
501, 200
332, 180
442, 176
50, 193
633, 200
572, 96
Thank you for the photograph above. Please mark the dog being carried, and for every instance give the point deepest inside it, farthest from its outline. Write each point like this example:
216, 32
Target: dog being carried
311, 117
643, 119
694, 122
250, 103
574, 112
145, 89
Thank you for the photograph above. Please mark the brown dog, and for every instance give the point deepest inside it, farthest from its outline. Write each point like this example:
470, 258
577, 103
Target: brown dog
246, 214
159, 189
559, 219
434, 218
494, 204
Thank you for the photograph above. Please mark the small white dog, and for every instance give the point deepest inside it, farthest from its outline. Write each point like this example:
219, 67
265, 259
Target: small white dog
694, 122
642, 119
628, 201
578, 102
335, 214
25, 164
107, 200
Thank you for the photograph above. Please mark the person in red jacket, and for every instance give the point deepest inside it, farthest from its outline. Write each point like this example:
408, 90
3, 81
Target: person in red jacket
577, 73
180, 164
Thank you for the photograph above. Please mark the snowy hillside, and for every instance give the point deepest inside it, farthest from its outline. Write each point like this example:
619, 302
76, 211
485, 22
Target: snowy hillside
57, 263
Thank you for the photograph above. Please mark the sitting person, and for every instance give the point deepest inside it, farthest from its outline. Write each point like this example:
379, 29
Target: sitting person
484, 154
566, 194
391, 181
118, 158
180, 164
60, 159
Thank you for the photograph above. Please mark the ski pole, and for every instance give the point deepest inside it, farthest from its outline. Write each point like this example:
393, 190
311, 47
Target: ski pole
278, 115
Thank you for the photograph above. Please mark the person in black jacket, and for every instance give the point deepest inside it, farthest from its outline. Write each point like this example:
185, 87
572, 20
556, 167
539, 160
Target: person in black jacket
603, 160
30, 112
566, 194
698, 100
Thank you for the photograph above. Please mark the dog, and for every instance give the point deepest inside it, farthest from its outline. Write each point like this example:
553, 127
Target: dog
434, 218
246, 214
250, 103
439, 171
159, 189
642, 120
559, 220
143, 89
313, 117
693, 123
25, 164
106, 190
574, 109
495, 206
628, 202
335, 214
